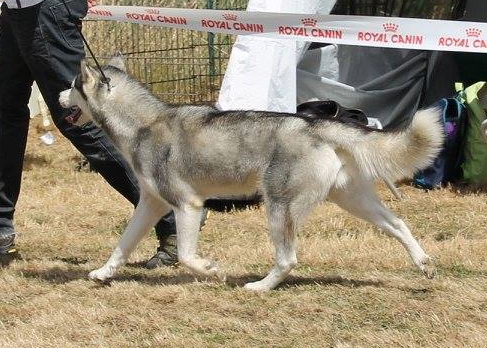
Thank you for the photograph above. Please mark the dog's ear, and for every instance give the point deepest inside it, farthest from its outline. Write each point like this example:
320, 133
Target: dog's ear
87, 73
118, 61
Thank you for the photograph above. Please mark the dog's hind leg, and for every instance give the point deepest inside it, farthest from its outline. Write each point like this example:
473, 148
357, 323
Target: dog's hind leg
359, 198
282, 230
284, 223
188, 220
147, 213
291, 191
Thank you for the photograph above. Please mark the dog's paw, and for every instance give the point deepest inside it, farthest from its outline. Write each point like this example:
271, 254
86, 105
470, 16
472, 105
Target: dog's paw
212, 270
428, 267
259, 286
205, 268
101, 274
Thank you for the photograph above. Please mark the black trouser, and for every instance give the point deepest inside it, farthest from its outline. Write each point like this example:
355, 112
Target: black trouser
41, 44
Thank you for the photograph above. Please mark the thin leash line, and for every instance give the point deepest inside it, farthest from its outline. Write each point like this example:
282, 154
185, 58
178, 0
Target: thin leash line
105, 79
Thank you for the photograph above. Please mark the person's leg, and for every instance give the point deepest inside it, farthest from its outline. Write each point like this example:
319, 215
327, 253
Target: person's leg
54, 59
53, 56
15, 89
167, 253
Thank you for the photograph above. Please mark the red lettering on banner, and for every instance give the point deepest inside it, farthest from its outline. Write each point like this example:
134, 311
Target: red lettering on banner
215, 24
310, 29
102, 13
373, 37
149, 17
235, 25
407, 39
391, 35
453, 42
314, 32
480, 44
173, 20
297, 31
327, 33
472, 40
252, 28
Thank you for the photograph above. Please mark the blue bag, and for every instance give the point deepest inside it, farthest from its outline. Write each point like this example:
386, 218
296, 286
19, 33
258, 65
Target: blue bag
447, 166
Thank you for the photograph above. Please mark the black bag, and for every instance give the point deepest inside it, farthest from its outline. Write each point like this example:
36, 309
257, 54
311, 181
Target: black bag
329, 109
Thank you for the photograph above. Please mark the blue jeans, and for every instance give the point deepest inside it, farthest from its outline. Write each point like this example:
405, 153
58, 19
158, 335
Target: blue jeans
41, 44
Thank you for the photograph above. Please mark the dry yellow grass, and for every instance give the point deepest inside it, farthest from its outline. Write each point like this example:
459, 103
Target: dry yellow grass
354, 287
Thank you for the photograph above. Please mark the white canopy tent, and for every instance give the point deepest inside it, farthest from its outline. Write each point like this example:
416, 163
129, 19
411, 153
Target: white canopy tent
261, 73
276, 75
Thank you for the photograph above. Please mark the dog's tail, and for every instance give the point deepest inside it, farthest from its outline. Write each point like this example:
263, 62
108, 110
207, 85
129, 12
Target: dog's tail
395, 155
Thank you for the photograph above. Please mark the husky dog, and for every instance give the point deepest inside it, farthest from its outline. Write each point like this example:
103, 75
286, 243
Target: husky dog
183, 154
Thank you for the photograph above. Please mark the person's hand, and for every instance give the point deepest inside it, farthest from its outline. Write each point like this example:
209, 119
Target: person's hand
92, 3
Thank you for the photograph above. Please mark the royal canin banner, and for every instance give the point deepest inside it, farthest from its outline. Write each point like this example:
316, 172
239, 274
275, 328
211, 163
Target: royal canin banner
422, 34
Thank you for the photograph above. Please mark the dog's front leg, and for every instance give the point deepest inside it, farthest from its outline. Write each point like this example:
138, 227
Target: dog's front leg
188, 218
147, 213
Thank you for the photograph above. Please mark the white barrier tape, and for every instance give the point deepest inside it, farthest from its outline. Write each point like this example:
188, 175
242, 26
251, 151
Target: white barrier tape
391, 32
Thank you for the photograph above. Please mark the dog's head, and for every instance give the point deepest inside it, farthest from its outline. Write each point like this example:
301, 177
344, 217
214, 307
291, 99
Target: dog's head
89, 89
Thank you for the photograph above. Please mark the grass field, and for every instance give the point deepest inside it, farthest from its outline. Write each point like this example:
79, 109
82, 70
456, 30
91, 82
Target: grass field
354, 287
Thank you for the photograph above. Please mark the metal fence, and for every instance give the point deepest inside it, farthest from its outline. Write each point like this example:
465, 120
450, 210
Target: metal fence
187, 66
177, 65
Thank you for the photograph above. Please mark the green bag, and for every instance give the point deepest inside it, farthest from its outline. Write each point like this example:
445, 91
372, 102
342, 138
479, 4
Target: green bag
474, 166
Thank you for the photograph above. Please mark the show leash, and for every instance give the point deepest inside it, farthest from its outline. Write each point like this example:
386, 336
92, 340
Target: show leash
104, 79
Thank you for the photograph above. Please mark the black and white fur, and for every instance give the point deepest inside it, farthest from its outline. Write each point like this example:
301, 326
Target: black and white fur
182, 155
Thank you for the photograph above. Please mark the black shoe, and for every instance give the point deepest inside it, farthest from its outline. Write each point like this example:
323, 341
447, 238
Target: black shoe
8, 252
167, 253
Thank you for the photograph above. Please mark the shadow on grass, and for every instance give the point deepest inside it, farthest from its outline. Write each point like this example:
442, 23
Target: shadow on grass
458, 187
72, 260
293, 281
56, 275
332, 280
290, 281
62, 275
464, 189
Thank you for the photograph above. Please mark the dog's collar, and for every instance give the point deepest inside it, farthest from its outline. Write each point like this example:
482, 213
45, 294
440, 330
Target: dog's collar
78, 84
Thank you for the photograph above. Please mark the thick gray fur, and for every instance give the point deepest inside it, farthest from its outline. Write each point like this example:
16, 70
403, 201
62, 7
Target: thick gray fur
183, 155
